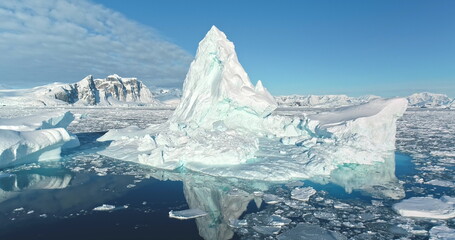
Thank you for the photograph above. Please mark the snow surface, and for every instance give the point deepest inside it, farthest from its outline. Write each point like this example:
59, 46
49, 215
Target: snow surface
35, 138
223, 120
427, 207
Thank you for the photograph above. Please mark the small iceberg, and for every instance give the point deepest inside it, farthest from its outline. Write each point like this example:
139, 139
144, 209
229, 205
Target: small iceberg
35, 138
187, 214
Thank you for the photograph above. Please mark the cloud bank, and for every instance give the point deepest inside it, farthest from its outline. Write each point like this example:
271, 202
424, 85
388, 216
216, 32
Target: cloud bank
64, 40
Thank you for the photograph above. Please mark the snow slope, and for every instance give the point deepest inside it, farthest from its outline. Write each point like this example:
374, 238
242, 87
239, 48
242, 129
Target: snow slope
35, 138
223, 120
112, 90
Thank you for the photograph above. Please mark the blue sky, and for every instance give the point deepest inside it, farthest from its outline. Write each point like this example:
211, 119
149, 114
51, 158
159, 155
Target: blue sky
386, 48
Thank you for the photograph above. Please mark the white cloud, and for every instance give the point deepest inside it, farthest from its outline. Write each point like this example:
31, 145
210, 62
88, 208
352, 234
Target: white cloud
64, 40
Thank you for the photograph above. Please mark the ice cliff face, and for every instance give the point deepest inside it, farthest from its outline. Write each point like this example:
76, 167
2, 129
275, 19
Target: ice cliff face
217, 84
223, 126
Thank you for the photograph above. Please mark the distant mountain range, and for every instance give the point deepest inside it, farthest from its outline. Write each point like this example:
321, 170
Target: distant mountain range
416, 100
112, 90
115, 90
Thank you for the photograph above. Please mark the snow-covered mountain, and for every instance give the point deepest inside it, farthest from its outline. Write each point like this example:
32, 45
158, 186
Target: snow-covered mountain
416, 100
430, 100
167, 96
112, 90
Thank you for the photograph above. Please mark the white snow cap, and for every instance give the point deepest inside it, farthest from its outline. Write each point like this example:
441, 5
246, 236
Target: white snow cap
217, 80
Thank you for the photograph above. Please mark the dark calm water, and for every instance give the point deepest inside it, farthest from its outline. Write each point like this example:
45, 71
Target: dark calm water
56, 200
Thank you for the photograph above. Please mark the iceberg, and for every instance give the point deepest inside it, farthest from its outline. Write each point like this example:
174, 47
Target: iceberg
225, 126
35, 138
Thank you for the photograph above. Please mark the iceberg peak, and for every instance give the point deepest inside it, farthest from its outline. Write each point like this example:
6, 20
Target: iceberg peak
214, 32
217, 84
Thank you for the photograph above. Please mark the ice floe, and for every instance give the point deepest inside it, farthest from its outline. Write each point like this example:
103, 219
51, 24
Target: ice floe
104, 207
427, 207
302, 194
187, 214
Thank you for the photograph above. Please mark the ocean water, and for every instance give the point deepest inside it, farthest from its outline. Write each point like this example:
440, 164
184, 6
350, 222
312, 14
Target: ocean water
56, 200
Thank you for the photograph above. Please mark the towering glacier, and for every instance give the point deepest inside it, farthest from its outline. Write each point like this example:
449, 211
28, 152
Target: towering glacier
223, 120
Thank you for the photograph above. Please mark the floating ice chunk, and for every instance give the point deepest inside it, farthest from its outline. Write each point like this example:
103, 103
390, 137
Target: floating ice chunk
441, 183
304, 231
303, 194
340, 205
267, 230
271, 199
426, 207
442, 233
18, 209
235, 223
276, 220
104, 207
325, 215
187, 214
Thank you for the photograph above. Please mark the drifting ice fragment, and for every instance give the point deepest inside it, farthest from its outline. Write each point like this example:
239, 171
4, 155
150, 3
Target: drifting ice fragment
235, 223
305, 231
276, 220
302, 194
442, 233
187, 214
271, 199
427, 207
267, 230
104, 207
